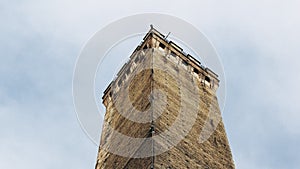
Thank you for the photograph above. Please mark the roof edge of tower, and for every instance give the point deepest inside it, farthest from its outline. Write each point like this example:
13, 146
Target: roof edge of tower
185, 56
178, 48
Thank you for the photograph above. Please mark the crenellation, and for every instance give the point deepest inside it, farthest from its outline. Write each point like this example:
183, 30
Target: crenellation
173, 52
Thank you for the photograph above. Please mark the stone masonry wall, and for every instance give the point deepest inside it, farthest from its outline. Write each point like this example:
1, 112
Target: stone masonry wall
164, 87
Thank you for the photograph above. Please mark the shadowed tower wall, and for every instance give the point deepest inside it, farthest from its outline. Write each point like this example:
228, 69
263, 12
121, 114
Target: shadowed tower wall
162, 112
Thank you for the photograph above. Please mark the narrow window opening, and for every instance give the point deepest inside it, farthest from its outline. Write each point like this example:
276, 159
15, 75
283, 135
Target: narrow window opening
136, 59
212, 123
119, 83
128, 71
215, 141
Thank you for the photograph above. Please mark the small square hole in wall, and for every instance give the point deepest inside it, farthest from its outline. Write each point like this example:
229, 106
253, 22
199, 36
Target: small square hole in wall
207, 79
162, 46
196, 71
185, 63
173, 54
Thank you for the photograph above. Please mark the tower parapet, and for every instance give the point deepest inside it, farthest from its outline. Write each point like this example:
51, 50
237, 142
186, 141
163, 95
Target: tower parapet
156, 40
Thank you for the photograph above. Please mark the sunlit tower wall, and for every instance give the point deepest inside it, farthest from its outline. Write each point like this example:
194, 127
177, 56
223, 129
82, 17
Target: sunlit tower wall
162, 112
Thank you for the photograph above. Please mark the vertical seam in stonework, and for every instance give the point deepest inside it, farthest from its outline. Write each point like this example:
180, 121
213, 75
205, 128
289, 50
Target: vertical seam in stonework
150, 134
152, 120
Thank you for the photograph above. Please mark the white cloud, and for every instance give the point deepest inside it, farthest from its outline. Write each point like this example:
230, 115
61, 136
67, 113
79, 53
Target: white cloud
257, 40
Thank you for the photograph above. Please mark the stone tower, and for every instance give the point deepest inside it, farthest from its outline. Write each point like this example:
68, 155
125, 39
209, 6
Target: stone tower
162, 112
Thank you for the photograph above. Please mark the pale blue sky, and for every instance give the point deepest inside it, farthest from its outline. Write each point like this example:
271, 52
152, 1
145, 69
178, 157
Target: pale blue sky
258, 43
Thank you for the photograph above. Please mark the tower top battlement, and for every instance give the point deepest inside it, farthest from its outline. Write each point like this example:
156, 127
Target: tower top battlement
156, 40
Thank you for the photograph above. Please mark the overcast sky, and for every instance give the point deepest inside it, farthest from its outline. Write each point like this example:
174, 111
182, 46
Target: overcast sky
258, 43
